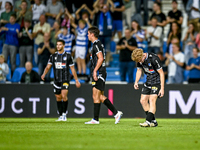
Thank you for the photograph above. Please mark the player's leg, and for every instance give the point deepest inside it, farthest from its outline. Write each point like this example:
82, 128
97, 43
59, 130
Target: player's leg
59, 104
152, 110
97, 104
111, 107
64, 93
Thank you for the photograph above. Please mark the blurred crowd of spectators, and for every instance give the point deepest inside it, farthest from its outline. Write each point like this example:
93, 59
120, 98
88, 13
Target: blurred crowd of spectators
31, 28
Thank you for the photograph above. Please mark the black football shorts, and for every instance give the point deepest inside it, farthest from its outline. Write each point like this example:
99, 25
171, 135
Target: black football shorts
100, 83
58, 86
150, 90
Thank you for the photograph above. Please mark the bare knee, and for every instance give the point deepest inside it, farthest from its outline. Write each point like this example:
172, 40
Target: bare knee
102, 98
58, 98
143, 101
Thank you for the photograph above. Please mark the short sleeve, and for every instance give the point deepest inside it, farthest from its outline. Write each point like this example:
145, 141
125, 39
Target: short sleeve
70, 60
156, 63
50, 61
120, 41
139, 65
98, 48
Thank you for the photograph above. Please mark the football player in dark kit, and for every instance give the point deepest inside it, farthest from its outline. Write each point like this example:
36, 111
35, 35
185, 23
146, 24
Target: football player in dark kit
99, 77
61, 62
154, 85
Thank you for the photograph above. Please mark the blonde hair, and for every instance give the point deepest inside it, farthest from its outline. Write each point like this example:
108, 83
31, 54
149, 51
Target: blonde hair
137, 54
1, 56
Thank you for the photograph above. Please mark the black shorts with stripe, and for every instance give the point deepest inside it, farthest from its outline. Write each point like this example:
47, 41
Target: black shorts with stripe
100, 83
58, 86
150, 90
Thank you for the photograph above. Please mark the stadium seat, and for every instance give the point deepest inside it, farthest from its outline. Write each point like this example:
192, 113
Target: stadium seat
51, 73
112, 46
186, 75
8, 76
113, 74
17, 74
35, 69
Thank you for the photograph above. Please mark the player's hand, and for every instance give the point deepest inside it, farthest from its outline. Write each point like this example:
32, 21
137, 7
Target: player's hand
43, 76
161, 93
136, 86
95, 75
78, 85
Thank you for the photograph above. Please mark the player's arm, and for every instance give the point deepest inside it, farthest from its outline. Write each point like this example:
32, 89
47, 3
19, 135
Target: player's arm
162, 82
137, 78
98, 65
75, 76
46, 70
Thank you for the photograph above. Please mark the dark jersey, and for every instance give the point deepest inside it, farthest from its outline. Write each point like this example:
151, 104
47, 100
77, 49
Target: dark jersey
61, 64
97, 47
150, 66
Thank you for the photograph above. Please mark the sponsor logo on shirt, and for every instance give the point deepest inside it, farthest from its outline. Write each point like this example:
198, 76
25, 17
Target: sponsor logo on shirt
60, 65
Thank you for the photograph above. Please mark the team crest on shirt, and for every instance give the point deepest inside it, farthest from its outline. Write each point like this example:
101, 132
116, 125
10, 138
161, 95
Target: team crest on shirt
149, 64
154, 89
64, 58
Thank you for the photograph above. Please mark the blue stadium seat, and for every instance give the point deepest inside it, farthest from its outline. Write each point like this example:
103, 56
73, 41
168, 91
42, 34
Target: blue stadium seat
35, 69
8, 76
186, 75
51, 73
112, 46
17, 74
113, 74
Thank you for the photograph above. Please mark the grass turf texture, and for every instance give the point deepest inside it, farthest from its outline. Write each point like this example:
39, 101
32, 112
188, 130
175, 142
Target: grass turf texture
40, 133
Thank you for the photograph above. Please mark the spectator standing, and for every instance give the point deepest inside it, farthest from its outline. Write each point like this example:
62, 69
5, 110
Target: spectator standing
67, 37
153, 35
30, 76
161, 18
38, 9
38, 33
55, 30
3, 5
23, 14
45, 49
26, 43
126, 45
105, 25
4, 69
81, 44
17, 5
189, 42
175, 65
117, 17
138, 4
128, 12
5, 16
11, 42
53, 9
138, 33
194, 67
175, 15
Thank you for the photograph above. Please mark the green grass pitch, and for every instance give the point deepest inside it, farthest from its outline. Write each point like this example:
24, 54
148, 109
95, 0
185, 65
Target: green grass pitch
46, 134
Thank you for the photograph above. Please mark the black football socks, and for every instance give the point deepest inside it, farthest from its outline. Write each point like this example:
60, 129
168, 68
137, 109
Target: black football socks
96, 111
65, 105
60, 109
110, 106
